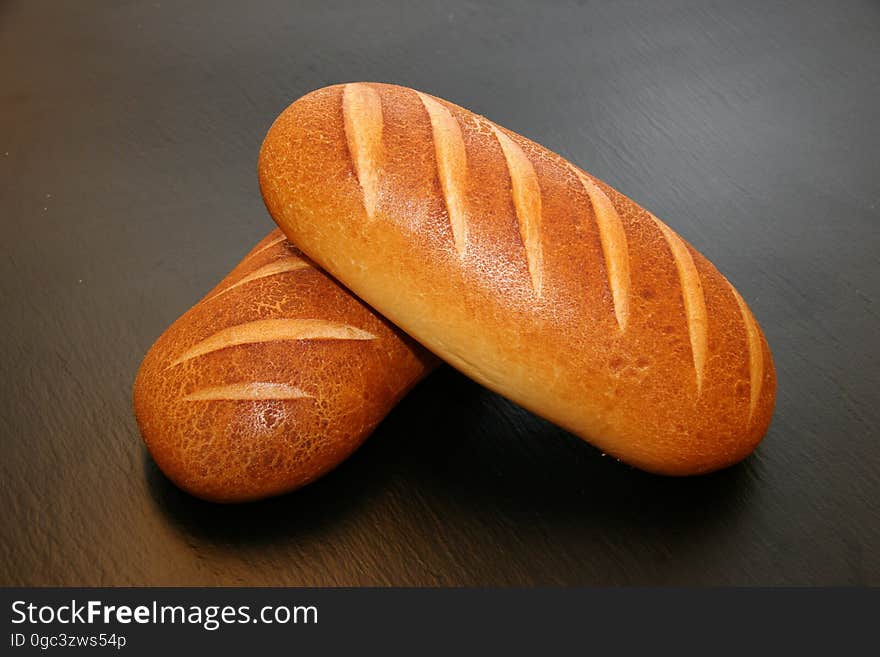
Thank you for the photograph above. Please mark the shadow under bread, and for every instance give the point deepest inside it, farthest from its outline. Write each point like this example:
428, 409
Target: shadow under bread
476, 458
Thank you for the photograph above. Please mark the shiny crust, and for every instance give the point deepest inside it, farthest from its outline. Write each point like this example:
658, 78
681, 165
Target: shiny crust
566, 296
270, 381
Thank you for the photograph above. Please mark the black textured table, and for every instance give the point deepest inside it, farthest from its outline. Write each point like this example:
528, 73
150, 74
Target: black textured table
128, 141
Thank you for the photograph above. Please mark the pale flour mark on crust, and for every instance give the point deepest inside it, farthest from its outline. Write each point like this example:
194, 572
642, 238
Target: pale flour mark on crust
694, 300
614, 247
280, 266
277, 240
362, 114
256, 391
756, 354
271, 330
449, 152
526, 194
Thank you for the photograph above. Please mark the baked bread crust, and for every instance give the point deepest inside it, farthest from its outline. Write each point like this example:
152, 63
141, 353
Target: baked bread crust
524, 272
271, 380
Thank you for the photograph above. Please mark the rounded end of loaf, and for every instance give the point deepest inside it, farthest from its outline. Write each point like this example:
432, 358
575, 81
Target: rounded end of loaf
675, 428
524, 272
217, 444
215, 463
270, 381
714, 445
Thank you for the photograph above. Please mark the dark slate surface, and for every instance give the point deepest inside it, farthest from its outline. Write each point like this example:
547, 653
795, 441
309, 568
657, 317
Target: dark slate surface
128, 139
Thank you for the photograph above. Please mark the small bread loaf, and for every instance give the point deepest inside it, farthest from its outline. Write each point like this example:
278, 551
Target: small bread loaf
271, 380
524, 272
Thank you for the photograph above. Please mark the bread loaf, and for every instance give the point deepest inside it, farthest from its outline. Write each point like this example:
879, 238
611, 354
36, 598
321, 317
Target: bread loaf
524, 272
271, 380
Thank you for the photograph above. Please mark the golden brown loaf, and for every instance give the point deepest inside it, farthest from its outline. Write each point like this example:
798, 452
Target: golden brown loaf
271, 380
524, 272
